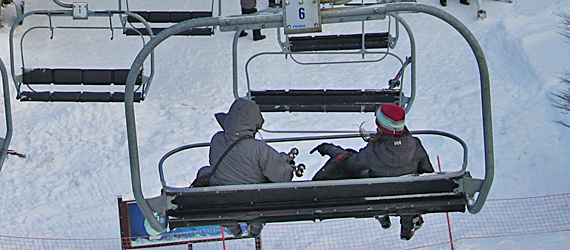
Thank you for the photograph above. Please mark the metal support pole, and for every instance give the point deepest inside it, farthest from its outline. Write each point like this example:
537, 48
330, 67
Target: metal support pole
8, 111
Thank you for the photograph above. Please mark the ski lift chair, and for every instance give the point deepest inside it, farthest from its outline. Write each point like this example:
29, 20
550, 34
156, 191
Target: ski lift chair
79, 80
169, 18
363, 43
318, 200
5, 142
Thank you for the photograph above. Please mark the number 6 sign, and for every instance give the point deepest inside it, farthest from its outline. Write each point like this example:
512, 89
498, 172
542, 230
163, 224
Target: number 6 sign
302, 16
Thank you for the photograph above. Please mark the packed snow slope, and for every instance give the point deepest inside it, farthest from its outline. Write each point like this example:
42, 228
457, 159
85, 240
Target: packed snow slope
77, 160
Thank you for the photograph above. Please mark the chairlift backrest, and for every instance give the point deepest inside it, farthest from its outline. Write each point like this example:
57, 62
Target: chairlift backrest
169, 18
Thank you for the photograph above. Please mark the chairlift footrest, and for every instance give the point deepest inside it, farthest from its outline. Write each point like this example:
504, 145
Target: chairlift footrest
26, 96
291, 202
323, 100
168, 16
339, 42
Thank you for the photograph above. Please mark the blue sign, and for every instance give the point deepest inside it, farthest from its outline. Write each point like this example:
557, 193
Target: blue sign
140, 236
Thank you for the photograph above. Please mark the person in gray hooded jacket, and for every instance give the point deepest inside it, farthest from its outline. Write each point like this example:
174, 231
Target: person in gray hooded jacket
249, 161
393, 151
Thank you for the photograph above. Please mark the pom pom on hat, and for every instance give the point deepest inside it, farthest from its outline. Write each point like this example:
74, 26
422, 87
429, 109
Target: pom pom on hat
391, 119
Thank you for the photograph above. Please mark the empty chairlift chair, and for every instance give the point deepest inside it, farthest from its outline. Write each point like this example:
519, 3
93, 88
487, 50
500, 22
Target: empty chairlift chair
69, 84
362, 44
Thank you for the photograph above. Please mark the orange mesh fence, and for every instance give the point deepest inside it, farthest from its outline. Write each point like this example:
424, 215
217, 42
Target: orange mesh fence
499, 218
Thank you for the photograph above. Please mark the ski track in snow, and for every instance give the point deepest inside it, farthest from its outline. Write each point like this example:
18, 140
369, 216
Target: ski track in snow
77, 160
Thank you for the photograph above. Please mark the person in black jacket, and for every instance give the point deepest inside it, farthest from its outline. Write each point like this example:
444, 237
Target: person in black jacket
393, 151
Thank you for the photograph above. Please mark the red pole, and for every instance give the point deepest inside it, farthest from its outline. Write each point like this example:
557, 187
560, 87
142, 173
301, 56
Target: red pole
223, 238
446, 214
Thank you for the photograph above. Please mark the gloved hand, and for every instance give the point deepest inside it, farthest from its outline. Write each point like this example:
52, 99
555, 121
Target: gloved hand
323, 149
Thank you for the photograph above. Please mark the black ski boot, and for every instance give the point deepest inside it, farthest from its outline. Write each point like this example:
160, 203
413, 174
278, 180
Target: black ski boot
464, 2
272, 4
410, 224
243, 33
257, 35
384, 221
443, 2
235, 229
254, 229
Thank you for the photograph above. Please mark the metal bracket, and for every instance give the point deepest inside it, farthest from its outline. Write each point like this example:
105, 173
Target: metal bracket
469, 185
80, 11
302, 16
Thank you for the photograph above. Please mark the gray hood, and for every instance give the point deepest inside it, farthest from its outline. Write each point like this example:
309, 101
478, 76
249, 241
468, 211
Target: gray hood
243, 119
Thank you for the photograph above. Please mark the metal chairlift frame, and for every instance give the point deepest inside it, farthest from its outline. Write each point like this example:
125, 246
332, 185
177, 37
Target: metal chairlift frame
8, 114
403, 101
19, 79
154, 209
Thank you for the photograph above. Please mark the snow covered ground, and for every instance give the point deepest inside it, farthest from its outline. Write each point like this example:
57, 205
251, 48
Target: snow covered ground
77, 159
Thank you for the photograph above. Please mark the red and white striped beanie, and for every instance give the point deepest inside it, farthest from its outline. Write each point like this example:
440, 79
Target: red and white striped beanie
391, 119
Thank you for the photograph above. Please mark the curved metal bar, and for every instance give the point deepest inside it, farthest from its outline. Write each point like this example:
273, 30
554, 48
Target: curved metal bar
314, 138
8, 113
130, 112
363, 52
63, 4
236, 84
485, 92
172, 152
412, 97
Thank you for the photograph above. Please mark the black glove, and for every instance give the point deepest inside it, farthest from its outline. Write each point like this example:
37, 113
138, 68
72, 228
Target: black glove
323, 148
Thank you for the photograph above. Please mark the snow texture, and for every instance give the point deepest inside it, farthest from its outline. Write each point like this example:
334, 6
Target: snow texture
77, 160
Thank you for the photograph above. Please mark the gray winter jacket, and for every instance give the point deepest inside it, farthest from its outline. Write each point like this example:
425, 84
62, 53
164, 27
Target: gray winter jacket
392, 156
249, 161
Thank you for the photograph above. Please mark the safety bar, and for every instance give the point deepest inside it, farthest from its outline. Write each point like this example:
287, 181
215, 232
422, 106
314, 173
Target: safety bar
315, 138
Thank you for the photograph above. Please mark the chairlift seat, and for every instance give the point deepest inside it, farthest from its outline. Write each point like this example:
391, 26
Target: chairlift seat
46, 76
168, 16
327, 100
339, 42
313, 201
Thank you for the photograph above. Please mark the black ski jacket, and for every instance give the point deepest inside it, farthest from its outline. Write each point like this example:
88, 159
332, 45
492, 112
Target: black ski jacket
392, 156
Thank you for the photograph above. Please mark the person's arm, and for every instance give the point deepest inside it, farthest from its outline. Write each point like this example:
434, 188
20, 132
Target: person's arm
274, 165
359, 161
424, 166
